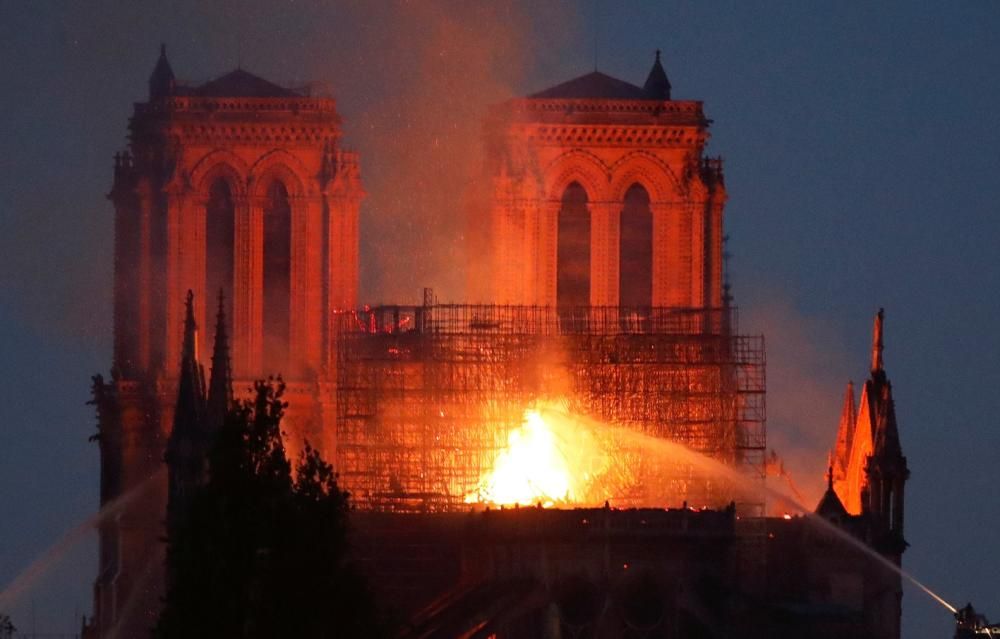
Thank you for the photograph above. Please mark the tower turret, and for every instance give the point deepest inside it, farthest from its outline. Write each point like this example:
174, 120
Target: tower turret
161, 81
885, 470
845, 435
187, 446
220, 388
657, 86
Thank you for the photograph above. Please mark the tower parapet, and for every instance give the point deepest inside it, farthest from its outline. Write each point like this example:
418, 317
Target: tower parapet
603, 197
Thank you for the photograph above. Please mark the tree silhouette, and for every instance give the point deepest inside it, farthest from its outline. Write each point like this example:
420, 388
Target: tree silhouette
7, 629
258, 553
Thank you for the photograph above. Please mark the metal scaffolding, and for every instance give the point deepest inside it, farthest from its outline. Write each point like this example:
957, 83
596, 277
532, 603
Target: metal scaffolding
427, 395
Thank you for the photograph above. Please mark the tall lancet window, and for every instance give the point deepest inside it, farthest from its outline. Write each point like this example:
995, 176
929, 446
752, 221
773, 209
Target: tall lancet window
573, 251
220, 214
277, 278
635, 272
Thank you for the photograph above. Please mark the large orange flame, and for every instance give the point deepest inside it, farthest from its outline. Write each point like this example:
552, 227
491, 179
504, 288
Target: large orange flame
551, 459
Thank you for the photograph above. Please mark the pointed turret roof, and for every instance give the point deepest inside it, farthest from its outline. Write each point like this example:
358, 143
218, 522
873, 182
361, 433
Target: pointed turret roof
657, 85
191, 385
162, 81
220, 389
885, 432
830, 505
845, 432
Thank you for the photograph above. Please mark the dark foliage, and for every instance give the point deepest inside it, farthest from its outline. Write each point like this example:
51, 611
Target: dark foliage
259, 553
7, 629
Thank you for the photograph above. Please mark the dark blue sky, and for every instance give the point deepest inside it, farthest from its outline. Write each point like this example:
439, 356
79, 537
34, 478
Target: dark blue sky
862, 155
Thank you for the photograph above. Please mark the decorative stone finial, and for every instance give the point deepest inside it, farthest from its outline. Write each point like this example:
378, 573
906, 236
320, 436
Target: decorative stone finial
877, 343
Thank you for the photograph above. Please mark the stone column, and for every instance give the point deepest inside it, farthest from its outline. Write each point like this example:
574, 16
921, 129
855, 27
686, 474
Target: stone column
144, 277
248, 276
665, 248
698, 211
306, 286
505, 269
604, 259
195, 229
547, 254
529, 245
597, 213
185, 270
715, 248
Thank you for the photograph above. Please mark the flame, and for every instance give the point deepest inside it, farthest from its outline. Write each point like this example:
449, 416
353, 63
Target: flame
548, 460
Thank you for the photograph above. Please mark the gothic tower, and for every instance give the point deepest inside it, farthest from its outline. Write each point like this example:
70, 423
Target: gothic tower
869, 469
868, 477
601, 196
236, 185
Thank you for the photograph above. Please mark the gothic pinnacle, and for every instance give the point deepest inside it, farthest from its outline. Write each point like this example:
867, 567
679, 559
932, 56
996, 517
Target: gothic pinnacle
877, 344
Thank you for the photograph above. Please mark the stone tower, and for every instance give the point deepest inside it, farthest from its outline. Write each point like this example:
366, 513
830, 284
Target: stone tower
601, 196
868, 477
236, 185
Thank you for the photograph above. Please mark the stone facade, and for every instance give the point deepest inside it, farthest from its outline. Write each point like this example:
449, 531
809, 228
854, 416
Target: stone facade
238, 185
606, 137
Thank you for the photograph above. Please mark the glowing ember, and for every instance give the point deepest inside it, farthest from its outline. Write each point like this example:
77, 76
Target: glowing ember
550, 459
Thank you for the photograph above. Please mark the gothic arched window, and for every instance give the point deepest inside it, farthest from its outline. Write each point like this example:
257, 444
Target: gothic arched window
635, 272
277, 277
573, 249
220, 214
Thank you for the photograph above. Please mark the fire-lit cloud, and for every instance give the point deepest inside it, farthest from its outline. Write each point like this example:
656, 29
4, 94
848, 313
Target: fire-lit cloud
414, 93
808, 368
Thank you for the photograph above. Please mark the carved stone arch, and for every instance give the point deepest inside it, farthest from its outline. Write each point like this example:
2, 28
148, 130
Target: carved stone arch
224, 164
577, 166
644, 168
283, 166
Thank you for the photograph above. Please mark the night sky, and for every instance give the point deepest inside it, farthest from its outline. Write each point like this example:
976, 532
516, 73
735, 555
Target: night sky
862, 151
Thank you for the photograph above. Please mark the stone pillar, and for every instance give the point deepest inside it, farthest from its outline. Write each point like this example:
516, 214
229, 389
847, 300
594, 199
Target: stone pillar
604, 259
342, 252
664, 253
144, 277
682, 266
137, 584
306, 286
698, 211
185, 257
529, 243
505, 270
716, 260
195, 230
248, 276
547, 254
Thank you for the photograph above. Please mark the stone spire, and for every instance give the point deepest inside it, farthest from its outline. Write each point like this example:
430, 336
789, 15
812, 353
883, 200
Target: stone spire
161, 81
885, 469
191, 386
877, 346
185, 454
886, 430
845, 433
830, 506
657, 85
220, 389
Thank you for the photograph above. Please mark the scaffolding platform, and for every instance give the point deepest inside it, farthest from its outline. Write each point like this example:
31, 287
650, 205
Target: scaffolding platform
426, 396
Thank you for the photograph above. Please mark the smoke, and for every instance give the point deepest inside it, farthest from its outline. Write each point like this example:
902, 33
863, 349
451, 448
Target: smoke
414, 100
808, 367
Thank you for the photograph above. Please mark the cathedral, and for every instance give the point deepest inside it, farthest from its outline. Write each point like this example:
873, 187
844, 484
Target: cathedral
237, 206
